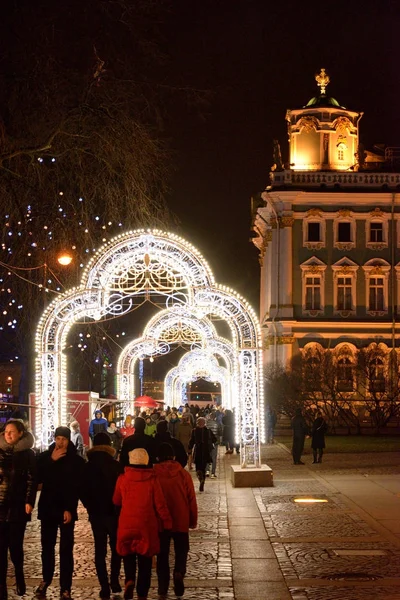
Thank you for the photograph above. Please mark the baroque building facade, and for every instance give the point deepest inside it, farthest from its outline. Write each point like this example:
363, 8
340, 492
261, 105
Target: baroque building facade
328, 233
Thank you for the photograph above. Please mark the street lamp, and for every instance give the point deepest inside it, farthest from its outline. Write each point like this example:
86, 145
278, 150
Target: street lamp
64, 259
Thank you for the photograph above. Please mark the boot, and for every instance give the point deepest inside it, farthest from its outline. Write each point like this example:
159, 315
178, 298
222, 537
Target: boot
20, 582
129, 589
315, 457
320, 456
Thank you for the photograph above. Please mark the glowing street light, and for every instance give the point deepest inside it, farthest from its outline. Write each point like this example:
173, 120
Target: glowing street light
64, 259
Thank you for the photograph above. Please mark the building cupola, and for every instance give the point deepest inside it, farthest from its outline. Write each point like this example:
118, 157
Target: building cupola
323, 135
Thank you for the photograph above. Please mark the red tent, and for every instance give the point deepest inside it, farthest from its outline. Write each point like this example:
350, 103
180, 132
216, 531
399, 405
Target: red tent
145, 402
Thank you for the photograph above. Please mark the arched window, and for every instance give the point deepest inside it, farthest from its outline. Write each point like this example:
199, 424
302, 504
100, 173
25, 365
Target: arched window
345, 375
377, 375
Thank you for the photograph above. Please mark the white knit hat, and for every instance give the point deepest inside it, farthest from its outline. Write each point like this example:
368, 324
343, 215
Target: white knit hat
138, 456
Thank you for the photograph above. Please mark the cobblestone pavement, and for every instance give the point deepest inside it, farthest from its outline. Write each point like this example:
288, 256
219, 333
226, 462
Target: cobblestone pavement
324, 551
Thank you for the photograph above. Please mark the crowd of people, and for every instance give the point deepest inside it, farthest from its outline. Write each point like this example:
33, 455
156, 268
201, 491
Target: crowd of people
134, 483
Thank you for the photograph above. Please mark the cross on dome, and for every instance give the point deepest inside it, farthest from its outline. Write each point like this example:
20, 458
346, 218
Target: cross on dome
322, 80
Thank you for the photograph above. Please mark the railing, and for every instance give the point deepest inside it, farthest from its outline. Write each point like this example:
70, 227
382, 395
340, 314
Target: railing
335, 179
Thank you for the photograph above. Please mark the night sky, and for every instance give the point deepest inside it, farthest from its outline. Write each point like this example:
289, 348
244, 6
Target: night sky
259, 58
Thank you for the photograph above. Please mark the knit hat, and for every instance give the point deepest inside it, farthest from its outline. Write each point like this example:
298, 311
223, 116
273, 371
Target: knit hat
101, 439
165, 452
138, 456
63, 432
201, 422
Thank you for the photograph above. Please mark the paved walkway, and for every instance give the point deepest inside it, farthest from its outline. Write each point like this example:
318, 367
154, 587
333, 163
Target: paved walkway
258, 544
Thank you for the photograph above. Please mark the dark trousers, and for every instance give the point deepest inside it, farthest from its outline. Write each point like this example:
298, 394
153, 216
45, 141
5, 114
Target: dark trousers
298, 447
105, 529
11, 538
144, 572
48, 534
181, 547
213, 464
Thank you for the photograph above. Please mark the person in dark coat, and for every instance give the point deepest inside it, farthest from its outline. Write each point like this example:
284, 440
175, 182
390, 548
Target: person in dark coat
59, 472
18, 486
143, 510
318, 431
178, 490
100, 475
138, 440
174, 424
228, 431
163, 436
300, 430
98, 424
200, 445
116, 436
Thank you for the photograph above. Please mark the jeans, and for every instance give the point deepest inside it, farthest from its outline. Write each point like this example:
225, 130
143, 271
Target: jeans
213, 464
48, 534
105, 529
144, 572
11, 538
181, 547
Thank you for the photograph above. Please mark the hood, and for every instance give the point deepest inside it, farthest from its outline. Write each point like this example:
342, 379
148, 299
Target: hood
168, 468
97, 449
101, 420
25, 443
139, 474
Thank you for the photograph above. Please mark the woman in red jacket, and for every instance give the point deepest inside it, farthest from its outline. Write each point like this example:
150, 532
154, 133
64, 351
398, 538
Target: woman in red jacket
179, 493
139, 493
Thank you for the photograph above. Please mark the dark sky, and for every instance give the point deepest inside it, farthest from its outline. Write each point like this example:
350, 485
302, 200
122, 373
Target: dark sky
259, 58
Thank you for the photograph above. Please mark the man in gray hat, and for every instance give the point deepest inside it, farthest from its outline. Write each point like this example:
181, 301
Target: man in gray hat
59, 473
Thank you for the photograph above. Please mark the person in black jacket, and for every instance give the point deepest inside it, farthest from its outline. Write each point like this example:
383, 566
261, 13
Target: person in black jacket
318, 431
59, 472
18, 486
163, 436
300, 430
100, 475
138, 440
201, 444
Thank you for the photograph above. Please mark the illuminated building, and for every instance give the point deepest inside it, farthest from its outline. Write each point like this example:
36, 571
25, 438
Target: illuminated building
328, 232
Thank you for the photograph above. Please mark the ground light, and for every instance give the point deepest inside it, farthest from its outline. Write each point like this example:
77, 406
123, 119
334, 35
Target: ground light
309, 500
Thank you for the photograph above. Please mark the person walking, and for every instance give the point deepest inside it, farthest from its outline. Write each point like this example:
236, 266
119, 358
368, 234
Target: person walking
212, 424
60, 473
138, 440
77, 439
174, 424
300, 430
139, 494
185, 431
99, 423
100, 476
228, 432
177, 486
200, 446
18, 486
319, 428
164, 436
115, 437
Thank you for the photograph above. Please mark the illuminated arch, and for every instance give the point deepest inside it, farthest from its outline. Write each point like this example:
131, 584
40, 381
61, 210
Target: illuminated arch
158, 265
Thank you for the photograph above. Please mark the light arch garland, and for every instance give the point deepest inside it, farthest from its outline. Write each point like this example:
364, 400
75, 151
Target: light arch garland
149, 264
192, 366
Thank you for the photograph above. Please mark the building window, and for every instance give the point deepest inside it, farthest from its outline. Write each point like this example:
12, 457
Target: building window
376, 294
313, 293
377, 375
313, 284
376, 232
344, 232
344, 286
344, 293
377, 273
340, 154
314, 232
345, 375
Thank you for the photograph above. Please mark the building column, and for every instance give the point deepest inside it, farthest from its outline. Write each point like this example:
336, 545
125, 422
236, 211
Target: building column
285, 267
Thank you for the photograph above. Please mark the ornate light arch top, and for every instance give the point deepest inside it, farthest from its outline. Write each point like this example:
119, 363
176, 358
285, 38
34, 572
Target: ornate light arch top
152, 259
